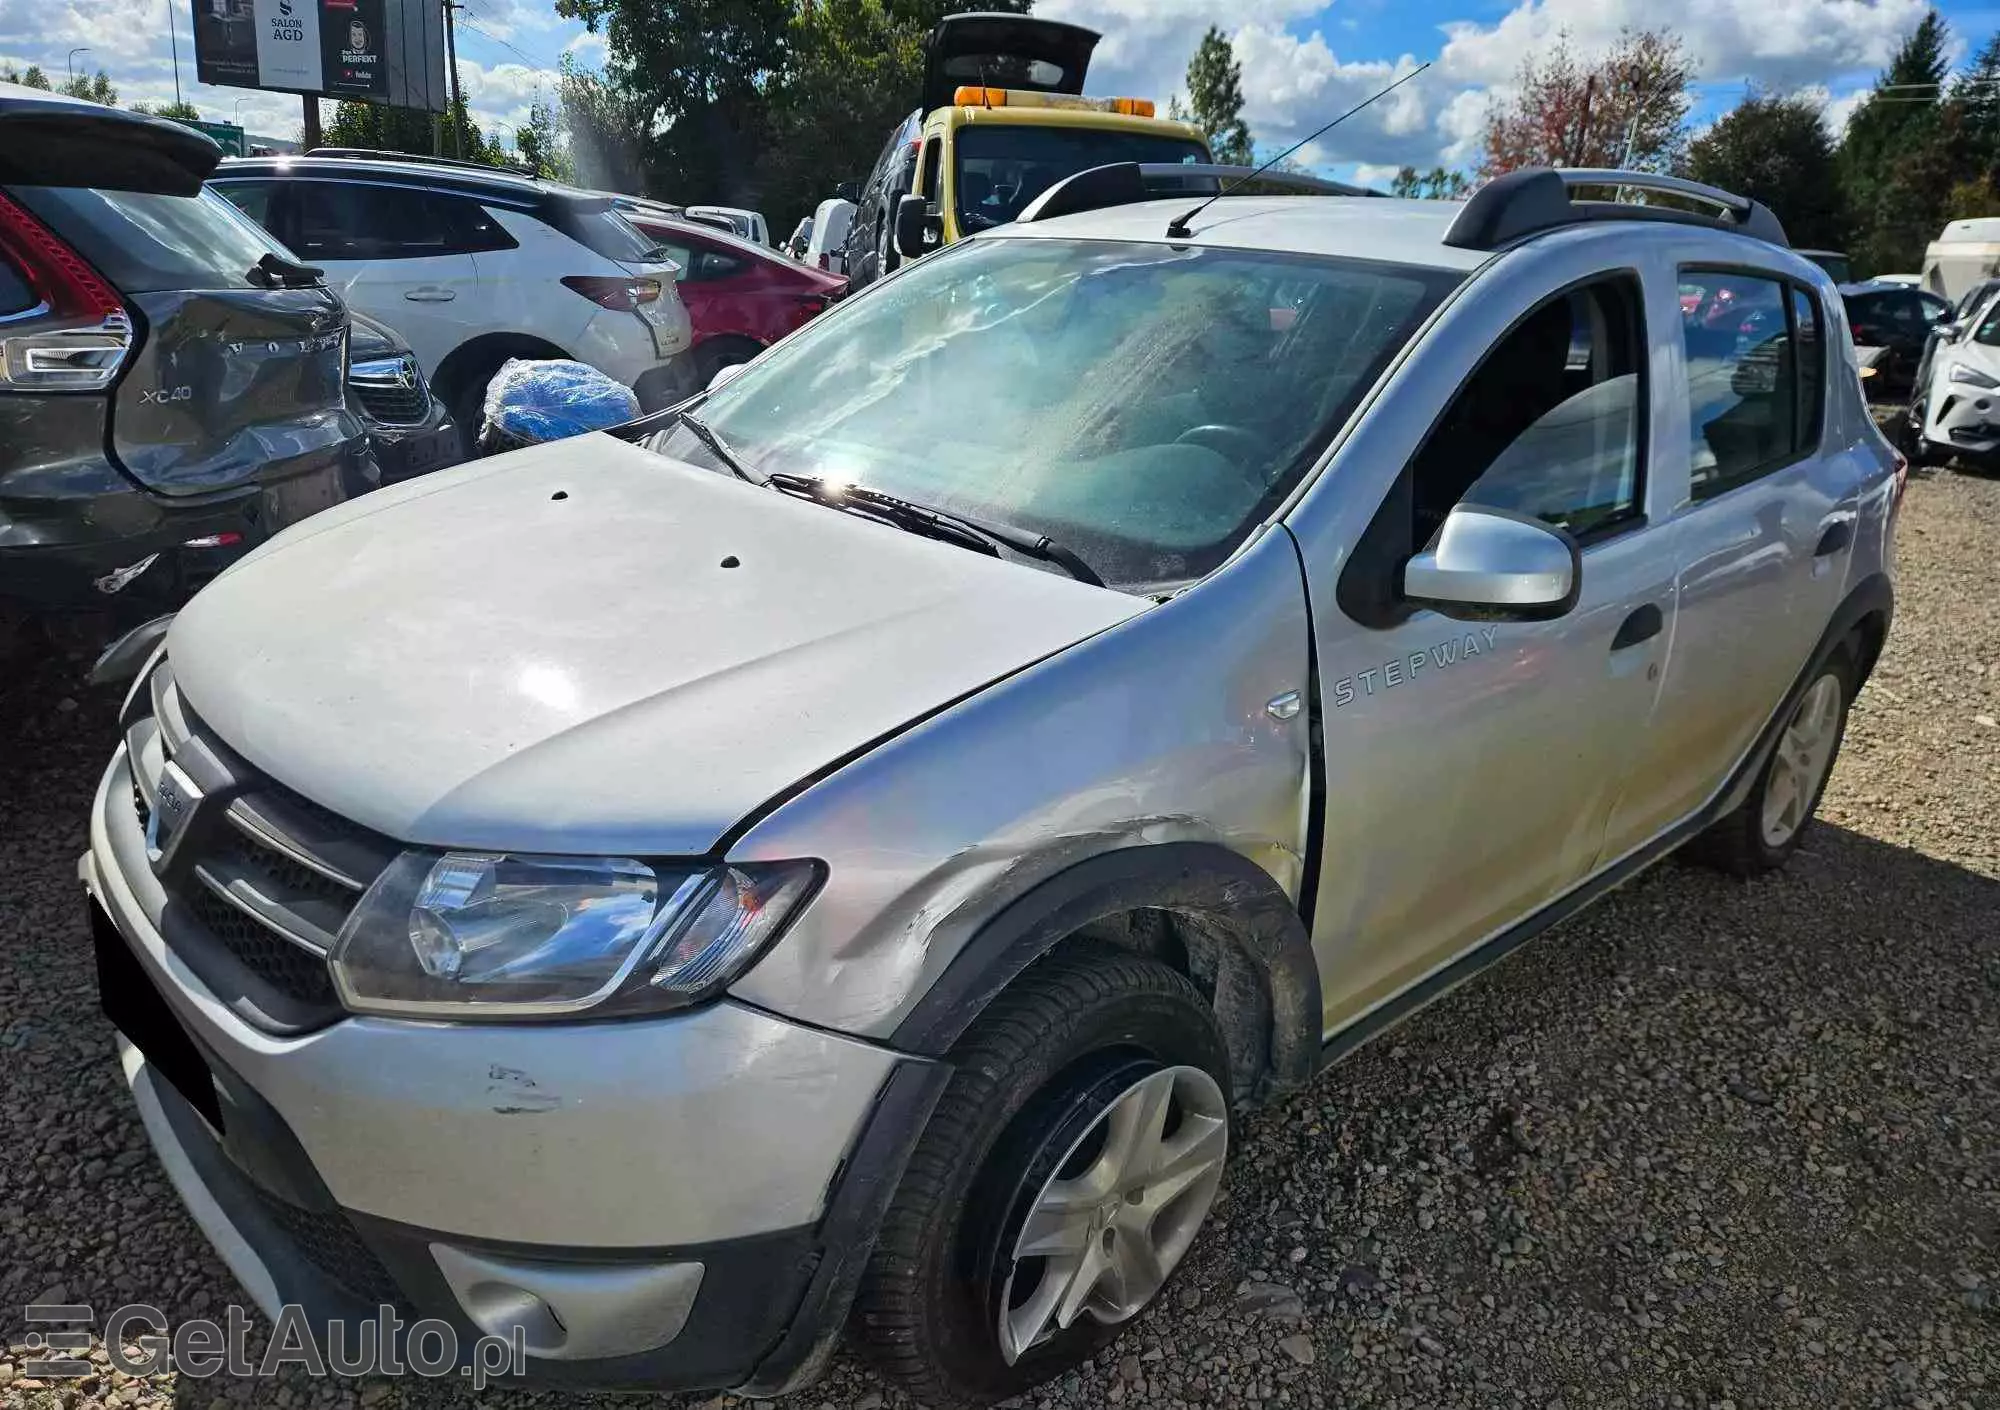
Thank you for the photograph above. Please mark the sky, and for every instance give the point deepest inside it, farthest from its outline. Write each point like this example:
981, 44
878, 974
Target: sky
1304, 61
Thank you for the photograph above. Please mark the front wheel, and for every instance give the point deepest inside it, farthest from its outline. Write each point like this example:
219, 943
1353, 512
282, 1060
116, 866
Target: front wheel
1066, 1172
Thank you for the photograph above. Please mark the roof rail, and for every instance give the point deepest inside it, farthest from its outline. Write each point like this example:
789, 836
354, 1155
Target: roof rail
374, 154
1123, 183
1537, 198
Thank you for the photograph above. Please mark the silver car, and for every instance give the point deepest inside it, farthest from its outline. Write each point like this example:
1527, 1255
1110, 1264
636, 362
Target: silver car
861, 842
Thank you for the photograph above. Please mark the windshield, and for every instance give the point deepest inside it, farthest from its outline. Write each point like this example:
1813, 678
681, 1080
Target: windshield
1142, 404
1002, 167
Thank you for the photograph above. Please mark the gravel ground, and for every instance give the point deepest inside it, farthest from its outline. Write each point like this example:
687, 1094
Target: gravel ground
1712, 1144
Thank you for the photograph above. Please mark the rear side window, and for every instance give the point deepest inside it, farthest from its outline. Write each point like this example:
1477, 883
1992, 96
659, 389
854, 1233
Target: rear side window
470, 228
356, 220
602, 231
1756, 376
144, 243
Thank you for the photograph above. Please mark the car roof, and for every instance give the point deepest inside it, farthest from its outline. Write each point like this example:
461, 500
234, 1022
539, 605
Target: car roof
695, 230
472, 180
1349, 227
1879, 286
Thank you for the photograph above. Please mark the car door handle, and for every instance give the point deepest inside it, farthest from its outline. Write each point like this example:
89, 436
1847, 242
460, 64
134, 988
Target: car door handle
1642, 625
1837, 535
430, 294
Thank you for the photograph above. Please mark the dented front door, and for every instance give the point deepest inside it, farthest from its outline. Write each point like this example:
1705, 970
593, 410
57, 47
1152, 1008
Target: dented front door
1471, 770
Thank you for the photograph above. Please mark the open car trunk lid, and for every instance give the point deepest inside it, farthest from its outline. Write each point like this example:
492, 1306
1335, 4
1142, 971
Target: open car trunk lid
1004, 51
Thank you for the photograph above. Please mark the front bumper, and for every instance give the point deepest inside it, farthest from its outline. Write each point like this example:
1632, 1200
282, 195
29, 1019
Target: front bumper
692, 1198
1964, 419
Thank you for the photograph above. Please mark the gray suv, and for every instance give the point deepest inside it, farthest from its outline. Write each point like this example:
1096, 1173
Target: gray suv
848, 853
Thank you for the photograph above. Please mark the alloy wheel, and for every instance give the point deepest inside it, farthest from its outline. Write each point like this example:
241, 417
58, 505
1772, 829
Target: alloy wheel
1124, 1204
1799, 767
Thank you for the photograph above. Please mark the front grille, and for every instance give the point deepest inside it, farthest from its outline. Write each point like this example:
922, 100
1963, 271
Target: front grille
327, 1240
290, 968
391, 391
263, 878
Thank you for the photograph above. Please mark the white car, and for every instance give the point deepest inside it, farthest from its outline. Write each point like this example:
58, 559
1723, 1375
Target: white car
1955, 409
748, 224
826, 247
474, 265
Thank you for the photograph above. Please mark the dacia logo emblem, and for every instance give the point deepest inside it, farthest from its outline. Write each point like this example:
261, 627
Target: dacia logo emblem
175, 797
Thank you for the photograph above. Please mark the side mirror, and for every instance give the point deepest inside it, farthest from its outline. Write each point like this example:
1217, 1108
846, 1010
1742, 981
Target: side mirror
847, 191
915, 226
1492, 563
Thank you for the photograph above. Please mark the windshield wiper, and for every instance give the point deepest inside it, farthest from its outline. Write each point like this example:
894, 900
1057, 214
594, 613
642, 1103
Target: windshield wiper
980, 534
717, 447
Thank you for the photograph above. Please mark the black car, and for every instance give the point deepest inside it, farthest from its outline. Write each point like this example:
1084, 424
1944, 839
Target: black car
171, 381
1897, 318
410, 430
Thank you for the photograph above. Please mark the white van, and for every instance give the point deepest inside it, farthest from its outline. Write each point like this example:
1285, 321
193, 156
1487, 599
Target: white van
1967, 252
826, 248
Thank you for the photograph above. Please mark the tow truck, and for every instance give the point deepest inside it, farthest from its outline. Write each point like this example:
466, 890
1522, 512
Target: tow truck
1001, 118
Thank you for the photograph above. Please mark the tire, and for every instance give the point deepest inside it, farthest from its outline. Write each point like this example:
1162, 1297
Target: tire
717, 353
1039, 1086
1746, 842
468, 408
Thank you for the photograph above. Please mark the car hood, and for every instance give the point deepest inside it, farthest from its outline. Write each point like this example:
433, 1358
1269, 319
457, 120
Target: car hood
587, 647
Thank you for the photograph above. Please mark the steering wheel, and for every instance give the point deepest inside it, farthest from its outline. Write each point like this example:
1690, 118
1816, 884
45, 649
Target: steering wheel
1243, 448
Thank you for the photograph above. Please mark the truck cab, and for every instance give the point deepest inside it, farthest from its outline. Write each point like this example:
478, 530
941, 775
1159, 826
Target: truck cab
1002, 117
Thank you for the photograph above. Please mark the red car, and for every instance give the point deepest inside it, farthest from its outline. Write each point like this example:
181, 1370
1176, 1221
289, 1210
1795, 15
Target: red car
740, 297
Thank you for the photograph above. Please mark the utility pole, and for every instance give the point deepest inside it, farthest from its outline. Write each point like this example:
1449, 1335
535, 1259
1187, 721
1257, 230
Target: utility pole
72, 64
174, 36
457, 98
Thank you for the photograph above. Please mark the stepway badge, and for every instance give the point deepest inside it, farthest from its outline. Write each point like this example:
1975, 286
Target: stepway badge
288, 51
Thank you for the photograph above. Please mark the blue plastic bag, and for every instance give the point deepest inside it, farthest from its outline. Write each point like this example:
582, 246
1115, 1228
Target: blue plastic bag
532, 400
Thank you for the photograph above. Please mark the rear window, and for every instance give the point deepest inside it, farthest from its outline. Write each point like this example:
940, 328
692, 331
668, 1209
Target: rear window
603, 231
143, 243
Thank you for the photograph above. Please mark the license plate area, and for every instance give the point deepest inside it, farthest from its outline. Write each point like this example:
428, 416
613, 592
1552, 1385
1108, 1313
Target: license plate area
139, 1011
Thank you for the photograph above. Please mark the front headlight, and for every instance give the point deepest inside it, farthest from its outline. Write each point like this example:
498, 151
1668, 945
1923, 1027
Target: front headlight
498, 936
1972, 377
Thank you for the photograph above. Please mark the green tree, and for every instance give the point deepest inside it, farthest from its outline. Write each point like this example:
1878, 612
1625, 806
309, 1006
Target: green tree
540, 145
1777, 150
33, 77
606, 130
1437, 184
1215, 98
94, 88
383, 128
184, 111
1904, 150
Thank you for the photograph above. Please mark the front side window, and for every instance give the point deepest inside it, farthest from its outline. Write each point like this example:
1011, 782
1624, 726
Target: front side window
1756, 375
1001, 168
1144, 405
1551, 423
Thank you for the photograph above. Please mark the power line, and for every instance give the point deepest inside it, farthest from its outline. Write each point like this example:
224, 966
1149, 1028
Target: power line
518, 52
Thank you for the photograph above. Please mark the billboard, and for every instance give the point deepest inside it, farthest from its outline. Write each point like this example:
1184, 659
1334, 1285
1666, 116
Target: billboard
381, 51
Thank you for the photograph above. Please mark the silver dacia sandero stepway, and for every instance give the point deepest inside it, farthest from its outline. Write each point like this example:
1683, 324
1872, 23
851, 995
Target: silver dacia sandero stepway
846, 853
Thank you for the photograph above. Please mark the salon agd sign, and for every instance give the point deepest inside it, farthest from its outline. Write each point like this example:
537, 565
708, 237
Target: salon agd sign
385, 51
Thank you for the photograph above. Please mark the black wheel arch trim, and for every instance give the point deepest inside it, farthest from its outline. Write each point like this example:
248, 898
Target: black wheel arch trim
1191, 879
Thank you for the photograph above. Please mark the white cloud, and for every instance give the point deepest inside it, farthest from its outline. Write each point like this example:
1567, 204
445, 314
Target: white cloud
1294, 82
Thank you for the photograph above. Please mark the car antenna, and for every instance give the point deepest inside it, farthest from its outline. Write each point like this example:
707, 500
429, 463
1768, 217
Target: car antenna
1177, 229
